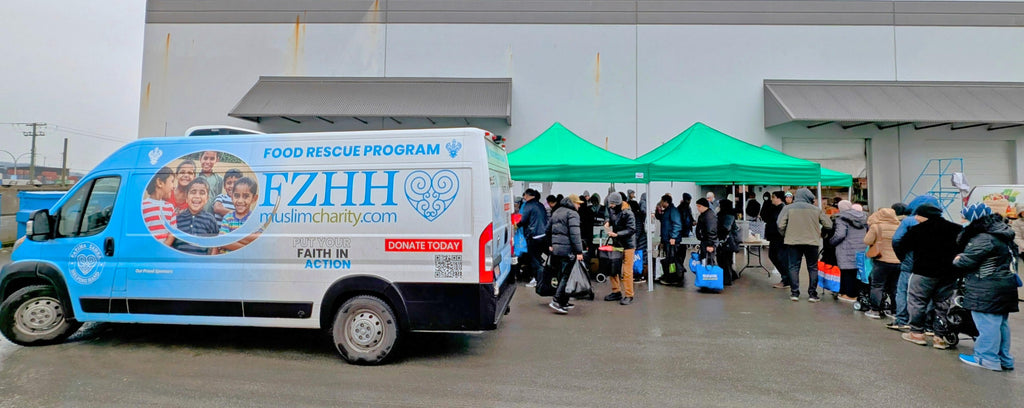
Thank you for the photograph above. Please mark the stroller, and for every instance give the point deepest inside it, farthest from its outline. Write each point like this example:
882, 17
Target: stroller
863, 303
958, 320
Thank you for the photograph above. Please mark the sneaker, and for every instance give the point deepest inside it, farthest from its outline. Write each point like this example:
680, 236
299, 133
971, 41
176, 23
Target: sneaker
794, 298
940, 343
914, 338
929, 332
873, 314
532, 283
558, 309
814, 299
897, 326
971, 361
626, 300
569, 306
847, 299
613, 297
780, 285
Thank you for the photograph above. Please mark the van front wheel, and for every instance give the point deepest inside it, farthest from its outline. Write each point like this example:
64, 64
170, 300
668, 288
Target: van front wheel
365, 330
33, 316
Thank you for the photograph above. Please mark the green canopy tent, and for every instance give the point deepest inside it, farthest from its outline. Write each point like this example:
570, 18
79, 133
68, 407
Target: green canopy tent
704, 155
829, 177
558, 154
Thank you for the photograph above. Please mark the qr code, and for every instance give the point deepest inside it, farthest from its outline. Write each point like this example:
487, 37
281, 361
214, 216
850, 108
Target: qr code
448, 266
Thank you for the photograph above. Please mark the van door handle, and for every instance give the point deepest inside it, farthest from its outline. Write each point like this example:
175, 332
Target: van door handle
108, 246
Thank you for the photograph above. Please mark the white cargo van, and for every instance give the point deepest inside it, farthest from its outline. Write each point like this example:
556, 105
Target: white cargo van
367, 234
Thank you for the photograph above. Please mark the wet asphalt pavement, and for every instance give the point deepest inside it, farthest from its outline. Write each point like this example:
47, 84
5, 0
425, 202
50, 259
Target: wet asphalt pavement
749, 346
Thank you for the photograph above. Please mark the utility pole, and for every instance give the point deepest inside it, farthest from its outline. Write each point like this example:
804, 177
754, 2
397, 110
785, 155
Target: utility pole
64, 165
36, 131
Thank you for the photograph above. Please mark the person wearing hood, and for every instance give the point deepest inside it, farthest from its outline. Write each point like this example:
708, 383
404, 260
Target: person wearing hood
621, 227
987, 257
566, 247
777, 248
800, 224
886, 266
933, 278
727, 246
902, 320
752, 208
686, 215
848, 239
534, 222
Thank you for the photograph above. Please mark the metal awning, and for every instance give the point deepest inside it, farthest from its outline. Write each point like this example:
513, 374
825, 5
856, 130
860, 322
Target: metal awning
292, 98
886, 104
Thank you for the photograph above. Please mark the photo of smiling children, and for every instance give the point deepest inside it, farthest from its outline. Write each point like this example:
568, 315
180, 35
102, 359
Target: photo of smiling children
155, 206
207, 160
183, 209
223, 204
185, 174
195, 220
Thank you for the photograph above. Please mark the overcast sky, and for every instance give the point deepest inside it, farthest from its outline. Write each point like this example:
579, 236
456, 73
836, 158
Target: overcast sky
75, 65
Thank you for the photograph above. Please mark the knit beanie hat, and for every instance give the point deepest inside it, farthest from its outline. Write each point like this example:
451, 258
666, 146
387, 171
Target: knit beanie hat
975, 211
845, 205
614, 199
928, 211
704, 202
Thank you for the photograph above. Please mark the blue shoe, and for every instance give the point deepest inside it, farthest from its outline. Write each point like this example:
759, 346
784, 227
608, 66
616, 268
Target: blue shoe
971, 361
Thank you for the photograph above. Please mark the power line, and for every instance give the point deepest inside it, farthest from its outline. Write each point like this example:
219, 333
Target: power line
88, 133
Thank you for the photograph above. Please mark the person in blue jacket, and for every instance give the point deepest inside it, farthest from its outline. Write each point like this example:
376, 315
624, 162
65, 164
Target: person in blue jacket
535, 225
902, 321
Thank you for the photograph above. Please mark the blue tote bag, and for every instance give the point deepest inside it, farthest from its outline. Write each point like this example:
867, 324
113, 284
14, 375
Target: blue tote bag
519, 242
864, 265
709, 275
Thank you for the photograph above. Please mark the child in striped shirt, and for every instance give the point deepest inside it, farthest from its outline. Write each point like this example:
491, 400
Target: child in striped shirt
243, 197
156, 209
223, 204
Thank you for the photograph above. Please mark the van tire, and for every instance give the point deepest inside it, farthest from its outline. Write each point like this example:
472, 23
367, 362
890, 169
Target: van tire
365, 330
34, 316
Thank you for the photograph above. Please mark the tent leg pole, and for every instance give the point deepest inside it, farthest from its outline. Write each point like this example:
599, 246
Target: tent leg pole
820, 206
650, 253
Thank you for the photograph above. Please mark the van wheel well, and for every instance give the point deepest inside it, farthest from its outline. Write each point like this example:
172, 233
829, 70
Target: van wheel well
350, 287
18, 284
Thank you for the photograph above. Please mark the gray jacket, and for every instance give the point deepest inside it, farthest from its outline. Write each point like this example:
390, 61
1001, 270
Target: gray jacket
564, 230
800, 223
851, 226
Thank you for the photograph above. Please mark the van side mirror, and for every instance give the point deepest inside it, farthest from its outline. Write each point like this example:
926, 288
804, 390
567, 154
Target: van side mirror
39, 226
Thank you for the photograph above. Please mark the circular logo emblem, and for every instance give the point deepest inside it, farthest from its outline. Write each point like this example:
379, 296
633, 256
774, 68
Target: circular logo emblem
86, 263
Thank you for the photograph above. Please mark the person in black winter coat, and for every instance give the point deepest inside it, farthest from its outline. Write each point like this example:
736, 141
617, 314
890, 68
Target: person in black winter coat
933, 243
753, 207
727, 244
566, 247
686, 215
707, 228
534, 222
586, 226
621, 227
990, 287
777, 247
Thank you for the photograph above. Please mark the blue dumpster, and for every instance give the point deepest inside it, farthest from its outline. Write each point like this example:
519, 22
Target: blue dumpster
31, 201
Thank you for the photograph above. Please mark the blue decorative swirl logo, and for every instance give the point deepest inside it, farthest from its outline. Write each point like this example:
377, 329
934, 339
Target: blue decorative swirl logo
431, 195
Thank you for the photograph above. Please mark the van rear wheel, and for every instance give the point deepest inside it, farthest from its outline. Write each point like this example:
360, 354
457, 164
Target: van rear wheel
365, 330
33, 316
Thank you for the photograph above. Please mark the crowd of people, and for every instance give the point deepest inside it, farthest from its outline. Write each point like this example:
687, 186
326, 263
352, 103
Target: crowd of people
919, 259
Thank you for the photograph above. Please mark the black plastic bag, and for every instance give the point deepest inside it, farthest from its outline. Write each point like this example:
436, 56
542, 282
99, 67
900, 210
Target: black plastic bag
578, 285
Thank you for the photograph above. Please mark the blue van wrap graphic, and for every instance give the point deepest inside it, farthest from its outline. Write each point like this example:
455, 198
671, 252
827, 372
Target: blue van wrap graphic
86, 263
431, 195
